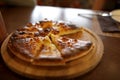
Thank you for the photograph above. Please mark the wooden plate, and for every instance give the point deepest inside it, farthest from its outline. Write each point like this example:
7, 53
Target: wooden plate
70, 70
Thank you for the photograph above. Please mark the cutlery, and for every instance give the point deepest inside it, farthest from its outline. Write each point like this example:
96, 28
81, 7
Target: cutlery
99, 14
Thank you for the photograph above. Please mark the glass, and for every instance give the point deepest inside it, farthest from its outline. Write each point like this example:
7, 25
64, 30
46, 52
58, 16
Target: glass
3, 32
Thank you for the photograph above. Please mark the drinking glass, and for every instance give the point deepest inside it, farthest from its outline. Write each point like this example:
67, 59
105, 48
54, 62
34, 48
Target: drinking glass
3, 32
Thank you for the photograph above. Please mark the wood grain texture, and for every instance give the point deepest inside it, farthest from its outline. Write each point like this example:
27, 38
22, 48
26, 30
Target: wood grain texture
70, 70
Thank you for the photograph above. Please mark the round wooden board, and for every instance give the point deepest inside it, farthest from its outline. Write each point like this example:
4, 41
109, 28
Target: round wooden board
70, 70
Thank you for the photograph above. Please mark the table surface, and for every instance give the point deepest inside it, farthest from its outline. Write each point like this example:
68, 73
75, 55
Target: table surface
109, 66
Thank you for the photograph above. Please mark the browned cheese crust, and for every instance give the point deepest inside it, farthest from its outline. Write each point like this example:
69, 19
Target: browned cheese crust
48, 43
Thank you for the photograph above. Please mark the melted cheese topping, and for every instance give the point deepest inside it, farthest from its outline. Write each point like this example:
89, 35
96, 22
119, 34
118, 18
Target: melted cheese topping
28, 46
72, 46
50, 52
44, 40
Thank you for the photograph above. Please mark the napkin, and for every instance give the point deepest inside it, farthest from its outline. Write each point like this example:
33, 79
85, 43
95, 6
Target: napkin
107, 24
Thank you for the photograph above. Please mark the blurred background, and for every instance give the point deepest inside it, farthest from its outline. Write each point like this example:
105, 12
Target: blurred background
86, 4
106, 5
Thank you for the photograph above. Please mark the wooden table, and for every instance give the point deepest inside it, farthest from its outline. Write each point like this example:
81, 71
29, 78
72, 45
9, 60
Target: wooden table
108, 68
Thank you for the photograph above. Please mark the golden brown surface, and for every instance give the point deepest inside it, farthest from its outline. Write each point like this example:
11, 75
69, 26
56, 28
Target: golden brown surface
49, 43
